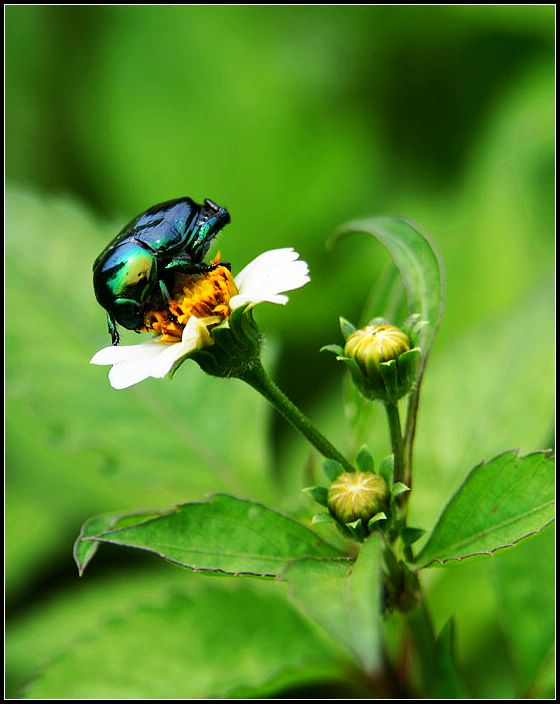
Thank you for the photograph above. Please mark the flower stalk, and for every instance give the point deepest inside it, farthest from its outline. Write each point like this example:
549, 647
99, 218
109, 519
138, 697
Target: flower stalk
394, 421
256, 376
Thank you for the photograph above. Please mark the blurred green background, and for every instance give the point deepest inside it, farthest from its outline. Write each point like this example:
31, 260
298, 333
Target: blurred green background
297, 119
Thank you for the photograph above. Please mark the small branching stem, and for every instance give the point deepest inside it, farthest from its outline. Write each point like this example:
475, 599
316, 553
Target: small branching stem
256, 376
396, 439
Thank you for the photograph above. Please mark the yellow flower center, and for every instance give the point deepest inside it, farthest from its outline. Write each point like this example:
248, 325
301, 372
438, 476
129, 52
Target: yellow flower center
204, 295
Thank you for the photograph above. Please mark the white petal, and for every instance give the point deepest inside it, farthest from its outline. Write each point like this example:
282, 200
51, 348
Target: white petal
238, 301
115, 354
127, 373
270, 274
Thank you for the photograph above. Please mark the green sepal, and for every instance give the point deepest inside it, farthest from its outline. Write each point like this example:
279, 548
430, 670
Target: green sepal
236, 345
364, 460
387, 468
332, 469
319, 518
388, 371
408, 364
346, 327
356, 529
381, 516
336, 349
410, 535
398, 489
317, 493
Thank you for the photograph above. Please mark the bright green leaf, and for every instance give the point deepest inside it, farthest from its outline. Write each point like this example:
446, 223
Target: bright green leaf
210, 643
224, 534
84, 550
344, 599
500, 503
417, 261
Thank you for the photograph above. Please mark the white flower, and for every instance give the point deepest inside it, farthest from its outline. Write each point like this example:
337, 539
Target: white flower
265, 279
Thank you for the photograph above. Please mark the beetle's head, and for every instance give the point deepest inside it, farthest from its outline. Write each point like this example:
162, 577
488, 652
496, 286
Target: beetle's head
128, 313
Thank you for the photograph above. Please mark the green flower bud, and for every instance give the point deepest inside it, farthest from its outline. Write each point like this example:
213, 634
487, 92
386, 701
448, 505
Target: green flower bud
375, 344
357, 495
382, 360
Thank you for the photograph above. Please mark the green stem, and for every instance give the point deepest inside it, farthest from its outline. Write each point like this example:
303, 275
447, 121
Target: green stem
396, 439
257, 377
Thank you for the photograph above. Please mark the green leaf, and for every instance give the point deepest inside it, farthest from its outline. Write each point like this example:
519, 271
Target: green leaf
210, 642
417, 261
410, 535
224, 534
445, 683
523, 581
344, 599
501, 502
84, 550
386, 298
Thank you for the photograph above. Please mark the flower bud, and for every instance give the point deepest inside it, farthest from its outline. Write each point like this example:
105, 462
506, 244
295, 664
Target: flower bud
357, 495
375, 344
381, 361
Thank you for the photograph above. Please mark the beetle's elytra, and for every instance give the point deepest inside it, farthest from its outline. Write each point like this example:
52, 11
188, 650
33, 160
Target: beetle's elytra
133, 274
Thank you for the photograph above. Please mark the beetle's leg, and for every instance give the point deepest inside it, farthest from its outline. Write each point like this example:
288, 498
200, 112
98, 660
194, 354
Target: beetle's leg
164, 292
112, 327
188, 267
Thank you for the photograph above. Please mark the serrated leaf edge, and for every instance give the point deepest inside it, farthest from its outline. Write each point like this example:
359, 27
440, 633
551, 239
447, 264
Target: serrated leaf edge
546, 454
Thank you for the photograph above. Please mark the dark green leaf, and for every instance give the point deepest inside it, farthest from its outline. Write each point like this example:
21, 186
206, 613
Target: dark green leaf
224, 534
445, 683
344, 599
501, 502
210, 642
410, 535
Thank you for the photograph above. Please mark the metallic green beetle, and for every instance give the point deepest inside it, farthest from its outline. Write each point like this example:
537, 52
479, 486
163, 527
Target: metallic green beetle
134, 272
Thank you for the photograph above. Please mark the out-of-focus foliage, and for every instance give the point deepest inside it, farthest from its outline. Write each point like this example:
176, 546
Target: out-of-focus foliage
297, 119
